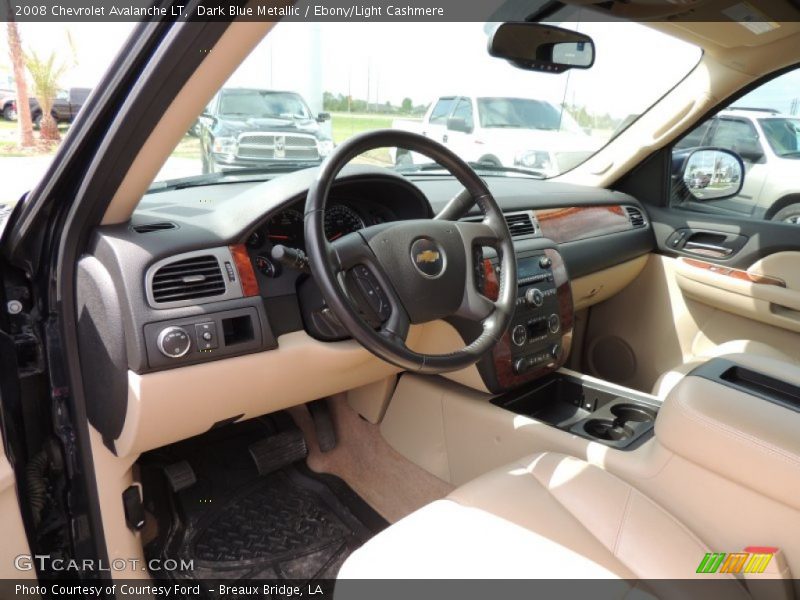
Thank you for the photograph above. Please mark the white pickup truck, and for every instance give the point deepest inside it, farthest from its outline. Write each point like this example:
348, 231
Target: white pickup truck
502, 131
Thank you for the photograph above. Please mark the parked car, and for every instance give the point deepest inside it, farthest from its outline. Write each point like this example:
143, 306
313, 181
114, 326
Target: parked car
66, 106
248, 128
8, 104
502, 131
769, 144
700, 180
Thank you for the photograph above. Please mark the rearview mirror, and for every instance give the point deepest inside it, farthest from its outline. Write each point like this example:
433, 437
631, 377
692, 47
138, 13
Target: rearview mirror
713, 174
538, 47
458, 124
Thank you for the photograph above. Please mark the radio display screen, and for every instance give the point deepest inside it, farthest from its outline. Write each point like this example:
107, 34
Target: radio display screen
528, 267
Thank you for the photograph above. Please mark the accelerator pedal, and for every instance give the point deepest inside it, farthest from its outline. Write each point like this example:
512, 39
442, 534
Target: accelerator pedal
278, 451
323, 424
180, 476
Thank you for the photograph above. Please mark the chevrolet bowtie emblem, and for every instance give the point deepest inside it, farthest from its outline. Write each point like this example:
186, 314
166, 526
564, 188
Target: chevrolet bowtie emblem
428, 256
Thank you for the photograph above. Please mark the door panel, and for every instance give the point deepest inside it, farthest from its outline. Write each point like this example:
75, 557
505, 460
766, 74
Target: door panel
757, 239
769, 291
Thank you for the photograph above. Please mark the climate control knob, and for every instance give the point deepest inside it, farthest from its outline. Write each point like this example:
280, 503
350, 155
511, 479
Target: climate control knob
553, 323
534, 296
519, 335
174, 342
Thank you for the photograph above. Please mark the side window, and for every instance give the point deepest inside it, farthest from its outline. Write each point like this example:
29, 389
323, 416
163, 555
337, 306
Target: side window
464, 111
697, 137
441, 111
763, 129
739, 135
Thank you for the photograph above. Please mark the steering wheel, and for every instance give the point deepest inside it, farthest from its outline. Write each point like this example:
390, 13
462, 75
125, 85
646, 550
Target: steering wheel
413, 271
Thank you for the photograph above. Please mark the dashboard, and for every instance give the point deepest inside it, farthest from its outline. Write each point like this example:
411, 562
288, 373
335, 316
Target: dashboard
179, 301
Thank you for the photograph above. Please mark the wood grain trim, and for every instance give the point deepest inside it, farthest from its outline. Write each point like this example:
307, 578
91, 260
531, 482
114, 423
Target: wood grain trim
244, 266
580, 222
501, 355
491, 285
735, 273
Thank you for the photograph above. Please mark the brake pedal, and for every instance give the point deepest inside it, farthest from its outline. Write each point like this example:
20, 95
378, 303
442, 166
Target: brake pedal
323, 424
278, 451
180, 476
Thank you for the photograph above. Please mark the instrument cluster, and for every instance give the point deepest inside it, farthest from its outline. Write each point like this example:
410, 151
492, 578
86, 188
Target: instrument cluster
287, 227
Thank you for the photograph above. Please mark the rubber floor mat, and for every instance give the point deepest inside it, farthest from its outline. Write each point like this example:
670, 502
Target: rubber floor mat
236, 525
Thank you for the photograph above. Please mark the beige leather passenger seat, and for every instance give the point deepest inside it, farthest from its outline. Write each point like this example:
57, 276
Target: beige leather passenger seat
669, 379
548, 516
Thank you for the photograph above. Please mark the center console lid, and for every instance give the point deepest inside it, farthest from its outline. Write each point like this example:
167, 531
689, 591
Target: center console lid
739, 416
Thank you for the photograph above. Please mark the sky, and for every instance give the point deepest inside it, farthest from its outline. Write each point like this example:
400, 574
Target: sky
391, 61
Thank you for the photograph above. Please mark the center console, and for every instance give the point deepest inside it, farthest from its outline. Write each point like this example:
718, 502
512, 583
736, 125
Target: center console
538, 340
617, 417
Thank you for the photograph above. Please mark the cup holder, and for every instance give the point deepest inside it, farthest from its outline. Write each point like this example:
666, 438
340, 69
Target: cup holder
605, 429
625, 413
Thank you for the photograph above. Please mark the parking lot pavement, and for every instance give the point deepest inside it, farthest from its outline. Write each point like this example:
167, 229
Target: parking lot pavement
19, 174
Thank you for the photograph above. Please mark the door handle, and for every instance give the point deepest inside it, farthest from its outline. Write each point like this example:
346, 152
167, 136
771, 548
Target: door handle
706, 249
444, 138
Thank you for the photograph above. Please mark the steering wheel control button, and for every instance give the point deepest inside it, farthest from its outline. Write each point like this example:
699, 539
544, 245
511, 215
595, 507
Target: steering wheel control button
428, 257
534, 296
519, 335
206, 336
372, 291
174, 342
553, 323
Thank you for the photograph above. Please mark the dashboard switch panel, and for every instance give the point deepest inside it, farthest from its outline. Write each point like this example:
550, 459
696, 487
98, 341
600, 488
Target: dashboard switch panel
207, 336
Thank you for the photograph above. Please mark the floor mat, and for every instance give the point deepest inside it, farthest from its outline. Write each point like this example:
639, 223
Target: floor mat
234, 524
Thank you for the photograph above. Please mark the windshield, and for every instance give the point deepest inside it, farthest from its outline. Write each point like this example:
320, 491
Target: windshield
310, 86
783, 135
257, 103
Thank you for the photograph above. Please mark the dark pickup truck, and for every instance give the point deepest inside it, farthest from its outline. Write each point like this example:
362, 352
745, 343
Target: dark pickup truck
245, 128
65, 108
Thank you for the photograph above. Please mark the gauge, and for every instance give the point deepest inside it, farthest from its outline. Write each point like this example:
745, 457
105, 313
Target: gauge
286, 228
256, 239
341, 220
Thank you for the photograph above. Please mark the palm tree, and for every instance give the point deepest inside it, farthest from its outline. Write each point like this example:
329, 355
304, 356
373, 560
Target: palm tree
18, 64
45, 74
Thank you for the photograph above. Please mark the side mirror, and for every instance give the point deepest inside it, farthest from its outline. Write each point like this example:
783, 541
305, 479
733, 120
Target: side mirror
537, 47
458, 124
323, 116
713, 173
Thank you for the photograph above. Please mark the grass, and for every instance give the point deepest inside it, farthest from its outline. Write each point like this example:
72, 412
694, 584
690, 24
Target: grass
346, 125
9, 137
188, 147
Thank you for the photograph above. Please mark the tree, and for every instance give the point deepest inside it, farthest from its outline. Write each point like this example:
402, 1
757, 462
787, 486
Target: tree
407, 106
24, 125
45, 74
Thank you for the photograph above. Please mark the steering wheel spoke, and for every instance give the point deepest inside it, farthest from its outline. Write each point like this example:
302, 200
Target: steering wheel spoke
355, 261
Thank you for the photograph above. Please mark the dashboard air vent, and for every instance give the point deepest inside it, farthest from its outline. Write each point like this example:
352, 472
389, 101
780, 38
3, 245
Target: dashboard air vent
520, 224
189, 279
635, 215
150, 227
